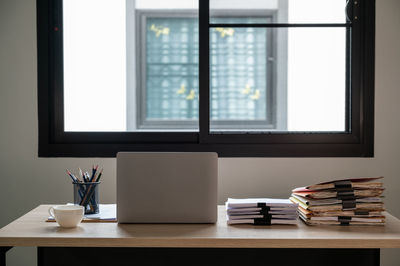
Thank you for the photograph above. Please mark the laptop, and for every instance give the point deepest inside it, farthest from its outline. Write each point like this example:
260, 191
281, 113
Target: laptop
167, 187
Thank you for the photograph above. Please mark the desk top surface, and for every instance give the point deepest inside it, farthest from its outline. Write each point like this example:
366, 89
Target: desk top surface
32, 230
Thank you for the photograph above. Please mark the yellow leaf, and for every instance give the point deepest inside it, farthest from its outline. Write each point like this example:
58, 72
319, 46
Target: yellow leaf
229, 31
165, 31
225, 31
159, 30
247, 89
191, 95
182, 89
256, 95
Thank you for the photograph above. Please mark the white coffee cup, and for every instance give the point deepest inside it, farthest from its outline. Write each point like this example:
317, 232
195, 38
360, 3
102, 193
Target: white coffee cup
67, 215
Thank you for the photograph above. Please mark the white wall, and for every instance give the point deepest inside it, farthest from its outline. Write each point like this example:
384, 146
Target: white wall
27, 180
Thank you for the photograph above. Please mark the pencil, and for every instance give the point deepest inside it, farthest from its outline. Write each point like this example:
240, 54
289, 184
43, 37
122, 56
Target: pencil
94, 170
90, 191
87, 178
81, 174
71, 175
98, 178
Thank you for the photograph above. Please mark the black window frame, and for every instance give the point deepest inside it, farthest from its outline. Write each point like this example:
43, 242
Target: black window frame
358, 141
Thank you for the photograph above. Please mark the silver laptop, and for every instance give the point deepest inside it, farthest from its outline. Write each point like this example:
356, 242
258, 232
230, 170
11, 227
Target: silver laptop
170, 187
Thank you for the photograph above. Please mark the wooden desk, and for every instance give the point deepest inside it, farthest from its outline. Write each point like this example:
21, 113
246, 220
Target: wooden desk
144, 241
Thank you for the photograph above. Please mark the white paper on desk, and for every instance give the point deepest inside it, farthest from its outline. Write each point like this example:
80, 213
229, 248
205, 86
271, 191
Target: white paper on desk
253, 202
251, 221
258, 210
234, 212
238, 217
107, 212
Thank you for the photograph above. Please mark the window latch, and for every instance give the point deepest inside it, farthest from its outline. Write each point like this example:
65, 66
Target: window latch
349, 10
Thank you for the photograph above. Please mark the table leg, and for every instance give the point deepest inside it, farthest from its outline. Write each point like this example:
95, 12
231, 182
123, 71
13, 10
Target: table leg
3, 251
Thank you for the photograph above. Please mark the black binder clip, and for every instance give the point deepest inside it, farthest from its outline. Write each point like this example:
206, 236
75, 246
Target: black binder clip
348, 199
263, 221
361, 212
343, 185
345, 192
349, 204
345, 195
265, 210
344, 220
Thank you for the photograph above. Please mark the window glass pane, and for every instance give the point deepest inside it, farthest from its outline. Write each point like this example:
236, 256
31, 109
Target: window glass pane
172, 72
278, 79
94, 65
239, 75
172, 57
137, 70
284, 11
316, 79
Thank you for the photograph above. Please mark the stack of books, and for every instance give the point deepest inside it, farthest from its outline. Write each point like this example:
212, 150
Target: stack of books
262, 211
353, 201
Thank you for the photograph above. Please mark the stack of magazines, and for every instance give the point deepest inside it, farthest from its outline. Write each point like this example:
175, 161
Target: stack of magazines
261, 211
353, 201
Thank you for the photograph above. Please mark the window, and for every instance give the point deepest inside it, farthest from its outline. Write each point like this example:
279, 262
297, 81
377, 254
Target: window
169, 92
271, 78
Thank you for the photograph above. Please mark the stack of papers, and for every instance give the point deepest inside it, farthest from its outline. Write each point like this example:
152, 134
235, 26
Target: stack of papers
261, 211
353, 201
